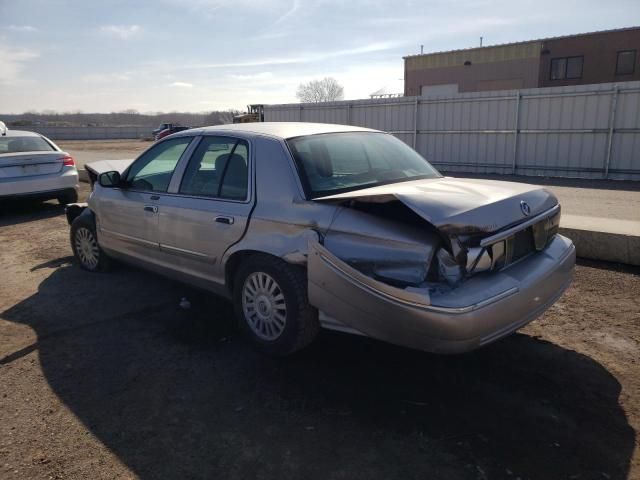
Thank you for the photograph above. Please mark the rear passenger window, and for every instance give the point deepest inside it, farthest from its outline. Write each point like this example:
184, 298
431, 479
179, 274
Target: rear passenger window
235, 180
217, 169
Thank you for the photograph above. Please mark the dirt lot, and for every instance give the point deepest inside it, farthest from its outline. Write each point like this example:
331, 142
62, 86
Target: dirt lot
103, 376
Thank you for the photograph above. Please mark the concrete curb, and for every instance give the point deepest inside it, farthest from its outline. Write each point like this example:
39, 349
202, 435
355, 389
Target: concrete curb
606, 246
595, 238
605, 239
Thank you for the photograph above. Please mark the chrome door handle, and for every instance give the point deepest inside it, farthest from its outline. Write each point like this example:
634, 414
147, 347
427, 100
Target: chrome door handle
151, 208
224, 219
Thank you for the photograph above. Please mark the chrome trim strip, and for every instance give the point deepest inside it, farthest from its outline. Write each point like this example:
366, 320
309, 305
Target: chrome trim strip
434, 308
485, 242
129, 237
172, 249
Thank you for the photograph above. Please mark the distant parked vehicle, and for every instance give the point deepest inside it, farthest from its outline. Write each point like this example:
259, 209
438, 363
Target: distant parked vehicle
3, 129
33, 166
165, 129
171, 130
161, 127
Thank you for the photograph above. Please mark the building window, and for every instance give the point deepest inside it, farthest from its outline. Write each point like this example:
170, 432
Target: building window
567, 68
626, 62
574, 67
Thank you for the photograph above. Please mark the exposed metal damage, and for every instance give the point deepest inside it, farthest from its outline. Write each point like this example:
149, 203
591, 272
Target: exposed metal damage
392, 239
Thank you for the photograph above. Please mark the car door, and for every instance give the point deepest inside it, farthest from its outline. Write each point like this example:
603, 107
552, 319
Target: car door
207, 208
128, 216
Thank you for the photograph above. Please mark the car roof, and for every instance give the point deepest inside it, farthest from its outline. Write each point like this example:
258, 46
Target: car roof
20, 133
282, 129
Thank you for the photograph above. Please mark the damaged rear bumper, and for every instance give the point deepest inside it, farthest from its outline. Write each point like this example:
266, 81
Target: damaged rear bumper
485, 308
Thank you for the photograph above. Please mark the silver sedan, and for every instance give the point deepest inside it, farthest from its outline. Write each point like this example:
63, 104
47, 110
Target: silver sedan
33, 166
309, 225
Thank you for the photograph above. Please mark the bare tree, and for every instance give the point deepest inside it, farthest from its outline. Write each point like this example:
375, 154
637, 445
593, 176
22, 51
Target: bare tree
326, 90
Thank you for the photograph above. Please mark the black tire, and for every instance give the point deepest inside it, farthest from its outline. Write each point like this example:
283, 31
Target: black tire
301, 323
68, 197
84, 226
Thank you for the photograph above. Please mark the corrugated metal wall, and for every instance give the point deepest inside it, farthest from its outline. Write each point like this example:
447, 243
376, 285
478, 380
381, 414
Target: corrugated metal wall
589, 131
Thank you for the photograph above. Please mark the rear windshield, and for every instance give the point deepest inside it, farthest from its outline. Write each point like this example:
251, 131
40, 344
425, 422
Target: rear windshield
24, 144
340, 162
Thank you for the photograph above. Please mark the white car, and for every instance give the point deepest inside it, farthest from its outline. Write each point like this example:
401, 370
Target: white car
33, 166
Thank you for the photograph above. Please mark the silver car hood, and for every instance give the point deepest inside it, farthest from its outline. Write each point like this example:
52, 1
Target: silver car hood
102, 166
459, 206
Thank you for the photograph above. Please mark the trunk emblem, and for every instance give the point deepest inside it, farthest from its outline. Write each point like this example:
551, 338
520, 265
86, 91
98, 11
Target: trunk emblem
526, 209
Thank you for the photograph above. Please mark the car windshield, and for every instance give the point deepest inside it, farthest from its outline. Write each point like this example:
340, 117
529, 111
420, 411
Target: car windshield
340, 162
24, 144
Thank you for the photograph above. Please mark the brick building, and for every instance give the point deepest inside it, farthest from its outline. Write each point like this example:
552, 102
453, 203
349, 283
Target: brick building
598, 57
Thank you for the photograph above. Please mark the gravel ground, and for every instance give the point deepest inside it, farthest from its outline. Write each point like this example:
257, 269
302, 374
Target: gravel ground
103, 376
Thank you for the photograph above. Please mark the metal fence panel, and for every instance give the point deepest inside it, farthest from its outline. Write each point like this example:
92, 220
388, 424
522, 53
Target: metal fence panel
590, 131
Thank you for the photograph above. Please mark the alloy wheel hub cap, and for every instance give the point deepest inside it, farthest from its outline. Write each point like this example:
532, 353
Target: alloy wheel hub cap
87, 247
264, 306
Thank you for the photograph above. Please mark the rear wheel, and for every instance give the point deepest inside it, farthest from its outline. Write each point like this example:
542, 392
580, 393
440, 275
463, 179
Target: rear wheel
270, 300
68, 197
84, 243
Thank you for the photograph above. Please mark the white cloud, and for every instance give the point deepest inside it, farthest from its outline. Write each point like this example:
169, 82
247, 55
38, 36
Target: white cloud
22, 28
290, 12
13, 60
124, 32
181, 85
307, 58
253, 77
105, 77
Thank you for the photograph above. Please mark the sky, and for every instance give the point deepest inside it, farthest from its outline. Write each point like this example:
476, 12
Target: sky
203, 55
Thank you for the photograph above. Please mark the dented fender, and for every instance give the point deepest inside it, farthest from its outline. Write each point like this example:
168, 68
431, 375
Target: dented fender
382, 248
289, 242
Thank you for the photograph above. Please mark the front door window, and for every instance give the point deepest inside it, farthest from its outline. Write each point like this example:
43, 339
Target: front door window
152, 171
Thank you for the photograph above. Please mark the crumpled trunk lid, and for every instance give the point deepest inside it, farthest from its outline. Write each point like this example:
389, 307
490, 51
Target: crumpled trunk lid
459, 206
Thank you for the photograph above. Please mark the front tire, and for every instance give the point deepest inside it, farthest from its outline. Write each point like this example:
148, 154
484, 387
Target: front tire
271, 304
84, 243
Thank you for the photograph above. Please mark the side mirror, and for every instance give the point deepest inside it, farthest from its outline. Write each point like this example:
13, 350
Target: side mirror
109, 179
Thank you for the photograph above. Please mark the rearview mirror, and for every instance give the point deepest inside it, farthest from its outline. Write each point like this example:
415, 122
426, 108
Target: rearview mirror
109, 179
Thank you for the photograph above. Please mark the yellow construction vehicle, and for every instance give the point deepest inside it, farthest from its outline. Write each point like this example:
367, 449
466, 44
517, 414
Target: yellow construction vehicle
255, 113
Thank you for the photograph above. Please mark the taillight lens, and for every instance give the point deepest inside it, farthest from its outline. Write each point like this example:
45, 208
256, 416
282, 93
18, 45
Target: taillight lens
67, 161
